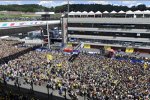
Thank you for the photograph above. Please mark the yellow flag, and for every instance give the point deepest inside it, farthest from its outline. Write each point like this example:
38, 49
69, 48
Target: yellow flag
59, 65
129, 50
145, 65
49, 57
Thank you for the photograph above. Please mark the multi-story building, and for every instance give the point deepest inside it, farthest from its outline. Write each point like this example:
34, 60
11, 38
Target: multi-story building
128, 31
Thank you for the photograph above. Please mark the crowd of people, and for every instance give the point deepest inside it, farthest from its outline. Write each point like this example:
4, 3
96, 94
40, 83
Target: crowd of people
8, 47
91, 76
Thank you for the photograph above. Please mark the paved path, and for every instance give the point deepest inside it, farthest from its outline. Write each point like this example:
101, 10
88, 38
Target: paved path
42, 89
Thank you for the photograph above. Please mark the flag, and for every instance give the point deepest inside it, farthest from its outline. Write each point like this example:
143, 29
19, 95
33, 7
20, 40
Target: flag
49, 57
59, 65
145, 65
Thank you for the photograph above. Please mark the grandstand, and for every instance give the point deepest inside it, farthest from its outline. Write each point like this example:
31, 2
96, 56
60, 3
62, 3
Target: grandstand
117, 30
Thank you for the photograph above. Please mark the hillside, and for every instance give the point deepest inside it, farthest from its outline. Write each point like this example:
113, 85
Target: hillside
73, 7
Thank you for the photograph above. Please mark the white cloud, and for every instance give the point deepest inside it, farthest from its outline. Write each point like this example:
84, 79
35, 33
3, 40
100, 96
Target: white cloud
99, 2
10, 2
131, 3
46, 3
53, 3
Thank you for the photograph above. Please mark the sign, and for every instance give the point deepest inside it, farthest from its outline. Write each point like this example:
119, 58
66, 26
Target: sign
87, 46
129, 50
49, 57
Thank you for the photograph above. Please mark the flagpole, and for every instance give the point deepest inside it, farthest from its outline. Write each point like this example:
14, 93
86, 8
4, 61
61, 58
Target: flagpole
48, 35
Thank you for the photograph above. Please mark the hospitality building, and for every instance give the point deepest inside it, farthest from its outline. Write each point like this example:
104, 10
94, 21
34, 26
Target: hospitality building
128, 31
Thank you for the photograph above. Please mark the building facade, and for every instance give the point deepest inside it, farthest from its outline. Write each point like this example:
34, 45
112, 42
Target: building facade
126, 33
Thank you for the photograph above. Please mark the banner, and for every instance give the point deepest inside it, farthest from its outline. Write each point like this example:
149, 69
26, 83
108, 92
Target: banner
49, 57
129, 50
87, 46
107, 47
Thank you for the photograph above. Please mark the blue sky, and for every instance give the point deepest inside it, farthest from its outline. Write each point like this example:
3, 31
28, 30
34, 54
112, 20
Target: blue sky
51, 3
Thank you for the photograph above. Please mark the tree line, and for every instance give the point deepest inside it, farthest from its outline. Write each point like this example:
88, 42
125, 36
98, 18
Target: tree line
73, 7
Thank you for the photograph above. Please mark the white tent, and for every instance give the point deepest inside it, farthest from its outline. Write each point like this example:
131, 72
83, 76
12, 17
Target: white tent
84, 13
91, 13
146, 12
138, 12
105, 12
71, 13
98, 12
121, 12
113, 12
129, 12
78, 13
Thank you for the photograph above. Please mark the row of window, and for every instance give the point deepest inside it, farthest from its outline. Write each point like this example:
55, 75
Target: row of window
104, 25
117, 34
124, 43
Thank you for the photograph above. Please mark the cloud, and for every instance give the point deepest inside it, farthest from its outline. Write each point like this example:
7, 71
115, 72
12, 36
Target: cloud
99, 2
53, 3
10, 2
131, 3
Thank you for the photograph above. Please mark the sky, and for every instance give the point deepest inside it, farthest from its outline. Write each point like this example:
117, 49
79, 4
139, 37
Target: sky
53, 3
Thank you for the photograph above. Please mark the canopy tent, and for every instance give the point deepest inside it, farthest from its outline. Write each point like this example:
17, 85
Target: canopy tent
91, 13
98, 12
146, 12
121, 12
138, 12
113, 12
84, 13
129, 12
71, 13
78, 13
105, 12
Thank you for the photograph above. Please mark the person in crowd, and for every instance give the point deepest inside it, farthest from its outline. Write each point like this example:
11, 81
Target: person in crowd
90, 76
